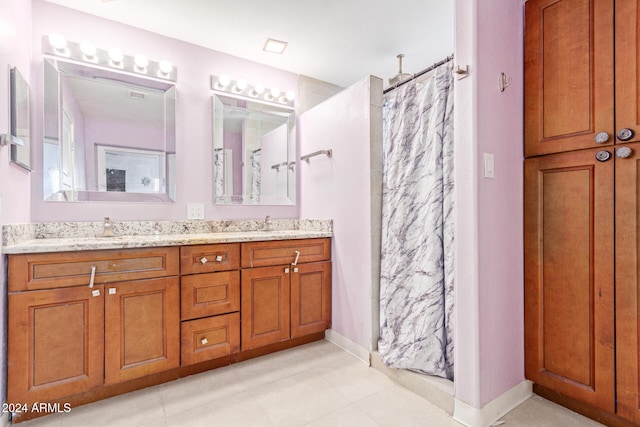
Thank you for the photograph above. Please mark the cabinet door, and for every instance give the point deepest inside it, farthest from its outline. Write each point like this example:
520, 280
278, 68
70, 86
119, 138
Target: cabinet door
142, 328
265, 306
627, 282
310, 298
627, 67
55, 343
569, 294
568, 74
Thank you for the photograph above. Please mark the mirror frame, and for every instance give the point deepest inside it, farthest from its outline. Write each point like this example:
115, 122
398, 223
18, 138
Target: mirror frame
246, 198
169, 108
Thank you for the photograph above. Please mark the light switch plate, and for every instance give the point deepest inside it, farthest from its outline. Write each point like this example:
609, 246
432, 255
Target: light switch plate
195, 211
489, 171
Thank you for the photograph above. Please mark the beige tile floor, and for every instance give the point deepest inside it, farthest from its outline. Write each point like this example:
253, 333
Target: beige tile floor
315, 385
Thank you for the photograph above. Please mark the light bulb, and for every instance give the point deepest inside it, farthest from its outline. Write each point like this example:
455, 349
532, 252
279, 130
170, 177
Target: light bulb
275, 92
224, 80
165, 66
88, 48
141, 61
58, 41
258, 88
241, 84
290, 95
116, 55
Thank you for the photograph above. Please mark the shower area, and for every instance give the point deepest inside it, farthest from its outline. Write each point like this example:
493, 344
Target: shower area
392, 281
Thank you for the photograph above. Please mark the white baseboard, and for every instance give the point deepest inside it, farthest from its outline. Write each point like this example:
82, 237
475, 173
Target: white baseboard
494, 410
4, 420
349, 346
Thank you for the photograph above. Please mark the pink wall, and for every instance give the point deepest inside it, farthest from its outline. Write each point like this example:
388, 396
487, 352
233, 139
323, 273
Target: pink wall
195, 66
489, 272
15, 50
339, 188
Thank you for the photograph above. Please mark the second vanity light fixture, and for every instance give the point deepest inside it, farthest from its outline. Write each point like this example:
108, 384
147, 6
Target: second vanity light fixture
86, 51
240, 87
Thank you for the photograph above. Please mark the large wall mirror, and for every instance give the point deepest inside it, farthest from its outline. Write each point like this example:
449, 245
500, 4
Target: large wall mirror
254, 152
108, 136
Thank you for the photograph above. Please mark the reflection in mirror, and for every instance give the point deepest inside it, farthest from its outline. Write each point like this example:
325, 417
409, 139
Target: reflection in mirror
254, 152
20, 134
107, 135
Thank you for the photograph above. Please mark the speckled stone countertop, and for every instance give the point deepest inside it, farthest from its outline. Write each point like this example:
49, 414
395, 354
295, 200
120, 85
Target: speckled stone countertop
80, 236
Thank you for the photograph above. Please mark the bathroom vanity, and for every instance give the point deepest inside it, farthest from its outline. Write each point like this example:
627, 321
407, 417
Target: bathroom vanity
86, 323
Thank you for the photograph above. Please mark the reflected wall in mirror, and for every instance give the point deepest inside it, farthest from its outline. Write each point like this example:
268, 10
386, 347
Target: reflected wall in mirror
254, 152
108, 136
20, 134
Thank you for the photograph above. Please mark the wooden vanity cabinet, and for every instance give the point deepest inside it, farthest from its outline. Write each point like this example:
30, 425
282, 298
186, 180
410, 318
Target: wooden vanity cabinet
281, 300
210, 302
66, 337
146, 316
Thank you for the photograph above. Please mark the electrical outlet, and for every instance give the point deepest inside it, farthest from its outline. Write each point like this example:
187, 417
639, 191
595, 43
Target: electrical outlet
195, 211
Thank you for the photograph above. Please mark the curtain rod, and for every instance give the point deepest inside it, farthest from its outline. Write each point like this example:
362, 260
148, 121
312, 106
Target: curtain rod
420, 73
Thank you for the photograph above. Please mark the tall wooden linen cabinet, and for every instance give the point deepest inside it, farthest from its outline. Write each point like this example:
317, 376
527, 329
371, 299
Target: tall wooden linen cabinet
581, 204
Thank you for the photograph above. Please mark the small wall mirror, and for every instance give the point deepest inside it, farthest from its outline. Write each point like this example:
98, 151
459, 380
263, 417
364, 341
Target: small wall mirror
20, 136
254, 152
108, 136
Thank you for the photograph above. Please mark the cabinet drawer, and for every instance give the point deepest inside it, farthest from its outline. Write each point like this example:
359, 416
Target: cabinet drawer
210, 294
61, 269
209, 258
209, 338
281, 252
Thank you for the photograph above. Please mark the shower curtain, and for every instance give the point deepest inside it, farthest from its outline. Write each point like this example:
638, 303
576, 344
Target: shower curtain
416, 278
256, 176
218, 165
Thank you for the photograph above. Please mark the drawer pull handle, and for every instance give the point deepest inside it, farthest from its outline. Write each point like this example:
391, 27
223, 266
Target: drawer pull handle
219, 258
286, 270
204, 341
297, 256
93, 276
95, 293
203, 260
112, 291
295, 269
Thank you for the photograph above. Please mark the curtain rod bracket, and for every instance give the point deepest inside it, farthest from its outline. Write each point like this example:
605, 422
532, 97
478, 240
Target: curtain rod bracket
461, 71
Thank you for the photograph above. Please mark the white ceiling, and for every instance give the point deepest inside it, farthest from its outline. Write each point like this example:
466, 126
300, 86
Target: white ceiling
338, 41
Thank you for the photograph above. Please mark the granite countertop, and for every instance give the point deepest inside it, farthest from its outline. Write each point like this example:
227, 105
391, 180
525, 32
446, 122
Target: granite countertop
62, 237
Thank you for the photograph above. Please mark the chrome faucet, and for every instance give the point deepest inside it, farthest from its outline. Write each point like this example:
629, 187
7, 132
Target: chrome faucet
266, 226
107, 230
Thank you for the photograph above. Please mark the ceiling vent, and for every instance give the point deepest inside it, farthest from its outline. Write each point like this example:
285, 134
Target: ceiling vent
139, 96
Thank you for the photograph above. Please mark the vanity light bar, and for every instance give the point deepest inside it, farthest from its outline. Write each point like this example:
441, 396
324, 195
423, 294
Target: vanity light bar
241, 88
87, 52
